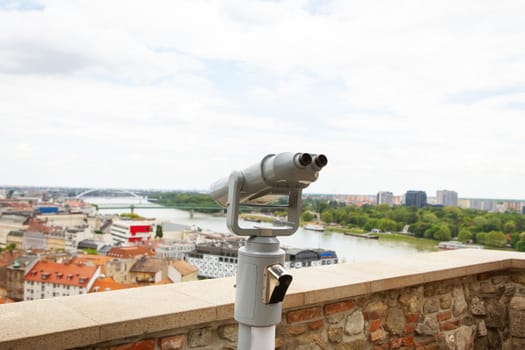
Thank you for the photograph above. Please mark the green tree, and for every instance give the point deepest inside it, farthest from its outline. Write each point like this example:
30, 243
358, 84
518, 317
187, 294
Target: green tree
480, 237
480, 223
419, 228
370, 224
442, 233
495, 239
493, 224
357, 219
465, 235
340, 216
429, 217
9, 248
307, 216
452, 213
158, 232
429, 232
520, 244
509, 226
386, 225
327, 216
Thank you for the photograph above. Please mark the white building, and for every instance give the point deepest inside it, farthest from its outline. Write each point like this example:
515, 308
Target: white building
128, 232
11, 222
447, 198
216, 259
176, 250
181, 271
219, 259
385, 197
74, 235
48, 279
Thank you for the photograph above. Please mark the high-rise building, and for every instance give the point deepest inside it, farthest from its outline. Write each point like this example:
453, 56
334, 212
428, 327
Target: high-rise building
447, 198
385, 197
416, 199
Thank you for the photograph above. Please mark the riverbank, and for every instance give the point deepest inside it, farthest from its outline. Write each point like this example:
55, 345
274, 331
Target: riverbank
337, 229
423, 244
348, 248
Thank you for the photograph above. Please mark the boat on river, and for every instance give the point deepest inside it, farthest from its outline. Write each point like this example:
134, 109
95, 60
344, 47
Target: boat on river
453, 245
314, 227
368, 235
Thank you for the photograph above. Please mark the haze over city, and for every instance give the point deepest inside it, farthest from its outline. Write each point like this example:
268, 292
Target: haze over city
174, 95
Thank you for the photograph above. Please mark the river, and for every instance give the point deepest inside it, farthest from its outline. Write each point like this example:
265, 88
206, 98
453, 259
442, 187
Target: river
348, 248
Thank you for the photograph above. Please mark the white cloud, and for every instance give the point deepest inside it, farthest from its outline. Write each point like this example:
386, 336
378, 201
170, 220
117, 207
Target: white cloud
397, 94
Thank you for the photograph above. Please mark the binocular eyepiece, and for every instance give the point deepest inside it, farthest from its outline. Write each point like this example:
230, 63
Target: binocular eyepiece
319, 161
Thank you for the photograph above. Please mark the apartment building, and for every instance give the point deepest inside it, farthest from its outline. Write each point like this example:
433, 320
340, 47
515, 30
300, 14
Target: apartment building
48, 279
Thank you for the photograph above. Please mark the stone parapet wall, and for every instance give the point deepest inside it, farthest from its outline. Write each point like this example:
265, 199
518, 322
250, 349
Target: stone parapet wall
483, 311
448, 300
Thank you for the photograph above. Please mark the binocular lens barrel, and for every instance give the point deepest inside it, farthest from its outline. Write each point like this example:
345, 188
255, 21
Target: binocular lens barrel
321, 160
305, 159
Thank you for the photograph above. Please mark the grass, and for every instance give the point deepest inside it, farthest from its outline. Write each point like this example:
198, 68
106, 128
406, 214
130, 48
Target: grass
255, 217
344, 230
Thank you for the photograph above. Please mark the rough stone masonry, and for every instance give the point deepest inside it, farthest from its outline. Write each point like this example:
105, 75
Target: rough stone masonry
476, 312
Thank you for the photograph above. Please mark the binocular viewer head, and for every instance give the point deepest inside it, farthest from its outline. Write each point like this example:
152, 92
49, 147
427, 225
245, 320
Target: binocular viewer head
276, 175
271, 178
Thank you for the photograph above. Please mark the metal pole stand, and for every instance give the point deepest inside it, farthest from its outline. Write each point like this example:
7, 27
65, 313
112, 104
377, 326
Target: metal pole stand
262, 281
256, 307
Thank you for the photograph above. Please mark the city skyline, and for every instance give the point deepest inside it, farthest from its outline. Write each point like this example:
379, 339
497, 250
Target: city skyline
178, 95
433, 197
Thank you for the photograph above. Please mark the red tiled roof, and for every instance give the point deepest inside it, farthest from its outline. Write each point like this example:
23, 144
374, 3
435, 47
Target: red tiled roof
97, 260
5, 300
36, 225
129, 252
109, 284
184, 267
68, 274
164, 281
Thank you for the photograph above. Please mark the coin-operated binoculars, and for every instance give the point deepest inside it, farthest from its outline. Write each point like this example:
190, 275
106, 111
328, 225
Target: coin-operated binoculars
262, 281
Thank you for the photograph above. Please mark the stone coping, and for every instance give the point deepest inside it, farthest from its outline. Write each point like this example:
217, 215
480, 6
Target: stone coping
76, 321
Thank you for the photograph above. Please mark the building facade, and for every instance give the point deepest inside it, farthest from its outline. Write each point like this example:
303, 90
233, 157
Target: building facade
447, 198
298, 258
128, 232
216, 259
385, 197
48, 279
182, 271
147, 270
15, 276
176, 250
219, 259
416, 199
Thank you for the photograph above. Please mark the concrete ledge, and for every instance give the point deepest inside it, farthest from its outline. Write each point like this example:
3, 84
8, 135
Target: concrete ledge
69, 322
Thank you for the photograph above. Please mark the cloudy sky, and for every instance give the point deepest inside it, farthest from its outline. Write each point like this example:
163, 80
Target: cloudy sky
399, 95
